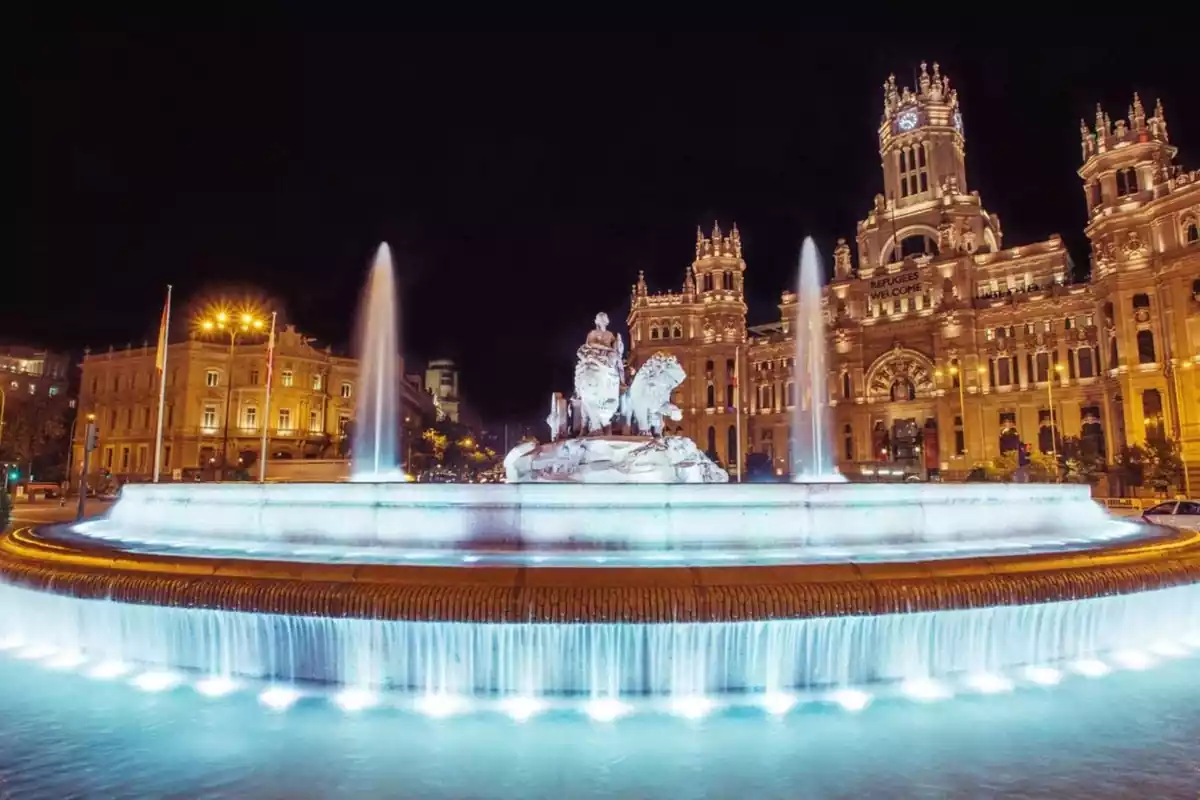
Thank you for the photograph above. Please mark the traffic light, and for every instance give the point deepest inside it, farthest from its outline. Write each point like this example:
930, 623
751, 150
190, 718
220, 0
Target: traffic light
92, 437
14, 472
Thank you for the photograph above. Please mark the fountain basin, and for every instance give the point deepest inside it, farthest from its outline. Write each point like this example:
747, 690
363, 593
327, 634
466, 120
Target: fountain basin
745, 518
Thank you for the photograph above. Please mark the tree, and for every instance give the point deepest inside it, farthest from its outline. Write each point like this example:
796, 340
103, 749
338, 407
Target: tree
1082, 459
436, 442
1163, 465
1042, 468
35, 434
5, 509
1130, 466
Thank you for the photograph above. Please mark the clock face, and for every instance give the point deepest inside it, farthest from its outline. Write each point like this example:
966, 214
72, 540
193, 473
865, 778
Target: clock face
958, 121
907, 121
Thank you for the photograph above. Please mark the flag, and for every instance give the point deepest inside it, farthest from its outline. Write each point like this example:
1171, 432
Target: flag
160, 355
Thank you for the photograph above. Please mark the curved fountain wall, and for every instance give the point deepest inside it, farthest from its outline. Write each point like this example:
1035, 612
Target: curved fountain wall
598, 659
629, 514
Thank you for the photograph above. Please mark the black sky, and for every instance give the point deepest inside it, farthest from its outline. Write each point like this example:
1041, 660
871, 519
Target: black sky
522, 175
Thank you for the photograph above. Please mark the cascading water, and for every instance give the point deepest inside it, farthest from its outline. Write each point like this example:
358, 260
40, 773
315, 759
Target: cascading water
812, 452
376, 442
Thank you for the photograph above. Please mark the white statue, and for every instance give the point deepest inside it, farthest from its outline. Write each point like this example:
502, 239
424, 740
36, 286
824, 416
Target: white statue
558, 417
650, 393
598, 376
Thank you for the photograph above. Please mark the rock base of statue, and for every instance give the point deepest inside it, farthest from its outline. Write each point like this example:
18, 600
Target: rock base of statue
612, 459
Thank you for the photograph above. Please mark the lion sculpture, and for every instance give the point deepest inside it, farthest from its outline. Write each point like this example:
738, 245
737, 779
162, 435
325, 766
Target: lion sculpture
650, 393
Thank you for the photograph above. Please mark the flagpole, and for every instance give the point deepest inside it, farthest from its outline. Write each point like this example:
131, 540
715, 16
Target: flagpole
737, 405
262, 452
163, 338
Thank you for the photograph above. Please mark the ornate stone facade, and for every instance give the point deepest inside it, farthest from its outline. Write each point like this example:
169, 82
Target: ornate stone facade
943, 342
312, 398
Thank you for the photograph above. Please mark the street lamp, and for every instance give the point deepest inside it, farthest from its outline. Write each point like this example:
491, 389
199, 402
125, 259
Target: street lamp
1186, 364
1060, 369
222, 322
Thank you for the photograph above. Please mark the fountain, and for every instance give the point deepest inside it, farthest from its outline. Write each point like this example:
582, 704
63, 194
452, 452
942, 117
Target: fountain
812, 454
377, 410
618, 568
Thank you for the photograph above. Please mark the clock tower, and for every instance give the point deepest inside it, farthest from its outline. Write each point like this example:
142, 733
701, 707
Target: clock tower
921, 140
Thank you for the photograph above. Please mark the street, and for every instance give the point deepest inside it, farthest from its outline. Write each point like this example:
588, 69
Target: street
48, 511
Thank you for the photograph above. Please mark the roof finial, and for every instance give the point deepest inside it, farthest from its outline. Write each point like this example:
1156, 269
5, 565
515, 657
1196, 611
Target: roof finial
1137, 114
716, 234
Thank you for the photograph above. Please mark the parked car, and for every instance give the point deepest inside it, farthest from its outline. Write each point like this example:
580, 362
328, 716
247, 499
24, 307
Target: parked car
1182, 514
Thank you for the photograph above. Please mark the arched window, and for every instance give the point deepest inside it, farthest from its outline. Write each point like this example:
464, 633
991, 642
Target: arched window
730, 402
1145, 345
712, 442
712, 396
732, 451
960, 437
917, 245
1191, 232
845, 385
791, 394
708, 282
1141, 300
677, 332
1113, 361
654, 333
726, 280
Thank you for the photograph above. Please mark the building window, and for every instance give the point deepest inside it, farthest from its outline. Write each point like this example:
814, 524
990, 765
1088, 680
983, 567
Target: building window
1094, 194
285, 378
1127, 182
129, 419
727, 280
212, 378
166, 459
960, 439
1004, 372
1191, 233
654, 333
285, 419
732, 456
708, 367
1145, 346
846, 388
254, 377
730, 401
343, 421
170, 415
848, 442
708, 282
250, 418
791, 394
1086, 368
209, 418
677, 332
1152, 409
108, 457
1141, 300
124, 459
346, 389
95, 385
711, 397
314, 422
146, 417
712, 441
319, 382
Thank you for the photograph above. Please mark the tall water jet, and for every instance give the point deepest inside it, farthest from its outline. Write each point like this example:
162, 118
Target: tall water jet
812, 451
376, 442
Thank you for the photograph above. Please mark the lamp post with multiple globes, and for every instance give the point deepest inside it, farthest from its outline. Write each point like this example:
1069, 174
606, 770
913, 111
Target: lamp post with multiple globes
221, 322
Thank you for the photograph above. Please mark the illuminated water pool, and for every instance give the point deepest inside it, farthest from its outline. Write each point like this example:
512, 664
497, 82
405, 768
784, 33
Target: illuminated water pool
1127, 734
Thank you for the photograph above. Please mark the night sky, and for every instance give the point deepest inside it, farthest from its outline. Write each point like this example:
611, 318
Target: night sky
522, 175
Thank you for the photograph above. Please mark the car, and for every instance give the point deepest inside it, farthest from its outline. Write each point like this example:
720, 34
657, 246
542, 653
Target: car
1182, 514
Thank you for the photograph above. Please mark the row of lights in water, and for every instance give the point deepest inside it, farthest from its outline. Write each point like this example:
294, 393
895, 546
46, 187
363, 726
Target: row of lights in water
520, 708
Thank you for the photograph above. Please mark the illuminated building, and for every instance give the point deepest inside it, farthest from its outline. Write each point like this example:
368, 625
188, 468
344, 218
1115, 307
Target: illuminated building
947, 348
312, 399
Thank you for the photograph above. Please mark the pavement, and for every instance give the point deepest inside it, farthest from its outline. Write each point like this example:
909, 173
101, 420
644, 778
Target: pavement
46, 512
